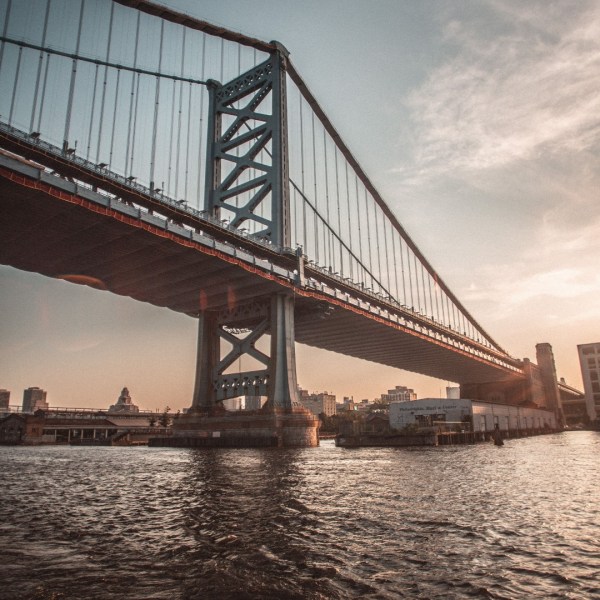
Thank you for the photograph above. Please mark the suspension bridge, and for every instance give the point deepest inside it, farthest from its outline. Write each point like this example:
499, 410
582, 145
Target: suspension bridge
160, 157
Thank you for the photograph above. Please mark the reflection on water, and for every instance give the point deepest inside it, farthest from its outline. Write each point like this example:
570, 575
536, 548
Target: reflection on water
521, 521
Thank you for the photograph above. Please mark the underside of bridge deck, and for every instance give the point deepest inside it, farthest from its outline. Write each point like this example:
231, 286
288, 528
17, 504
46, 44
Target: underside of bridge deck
49, 234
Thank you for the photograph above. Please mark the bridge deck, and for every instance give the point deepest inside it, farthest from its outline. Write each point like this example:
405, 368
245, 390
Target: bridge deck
48, 230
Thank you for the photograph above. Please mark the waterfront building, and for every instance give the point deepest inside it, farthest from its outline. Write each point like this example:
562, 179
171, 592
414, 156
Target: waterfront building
4, 400
400, 393
124, 404
318, 403
88, 426
589, 359
469, 415
34, 399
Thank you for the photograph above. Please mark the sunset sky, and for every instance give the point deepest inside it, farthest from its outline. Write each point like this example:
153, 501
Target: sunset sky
479, 123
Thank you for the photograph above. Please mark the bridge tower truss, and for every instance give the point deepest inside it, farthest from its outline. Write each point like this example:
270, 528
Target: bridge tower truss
247, 185
247, 189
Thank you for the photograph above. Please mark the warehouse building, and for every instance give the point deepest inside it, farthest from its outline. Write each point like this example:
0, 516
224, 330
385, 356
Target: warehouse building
461, 414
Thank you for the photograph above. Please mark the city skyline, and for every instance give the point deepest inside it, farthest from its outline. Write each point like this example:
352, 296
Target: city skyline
479, 126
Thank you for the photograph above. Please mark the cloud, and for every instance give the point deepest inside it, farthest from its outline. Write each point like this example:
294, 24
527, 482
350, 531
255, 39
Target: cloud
524, 87
516, 285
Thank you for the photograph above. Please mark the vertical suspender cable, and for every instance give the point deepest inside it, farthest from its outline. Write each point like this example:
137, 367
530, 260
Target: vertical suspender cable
368, 233
200, 126
297, 208
377, 247
178, 153
412, 298
424, 290
14, 92
187, 142
430, 294
458, 324
387, 258
294, 199
73, 77
404, 296
222, 59
339, 217
114, 123
132, 96
350, 238
360, 242
40, 62
92, 112
135, 118
156, 104
397, 298
329, 260
171, 130
44, 87
314, 159
419, 306
439, 303
444, 306
110, 26
5, 30
304, 232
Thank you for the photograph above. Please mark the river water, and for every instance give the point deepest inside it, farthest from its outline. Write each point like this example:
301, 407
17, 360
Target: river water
520, 521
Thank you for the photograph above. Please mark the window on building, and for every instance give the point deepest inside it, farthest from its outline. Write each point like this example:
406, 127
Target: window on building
595, 386
588, 350
594, 375
591, 362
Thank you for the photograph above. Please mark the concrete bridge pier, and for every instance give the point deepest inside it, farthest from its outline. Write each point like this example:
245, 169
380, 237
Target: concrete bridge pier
282, 421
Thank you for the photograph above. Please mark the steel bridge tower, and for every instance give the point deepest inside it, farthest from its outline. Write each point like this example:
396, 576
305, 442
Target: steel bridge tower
247, 181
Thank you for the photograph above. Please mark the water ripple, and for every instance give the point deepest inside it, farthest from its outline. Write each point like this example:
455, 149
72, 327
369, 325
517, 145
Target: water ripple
325, 523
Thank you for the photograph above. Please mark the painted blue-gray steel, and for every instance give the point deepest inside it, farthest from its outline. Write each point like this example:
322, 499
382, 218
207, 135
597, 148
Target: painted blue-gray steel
247, 187
246, 181
279, 171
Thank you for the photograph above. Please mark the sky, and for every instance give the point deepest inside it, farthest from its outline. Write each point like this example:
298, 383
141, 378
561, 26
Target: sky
479, 123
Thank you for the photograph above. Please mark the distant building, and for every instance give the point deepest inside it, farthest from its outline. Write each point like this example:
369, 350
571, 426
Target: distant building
399, 394
34, 399
589, 359
363, 406
347, 404
232, 403
124, 404
318, 403
253, 402
4, 400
